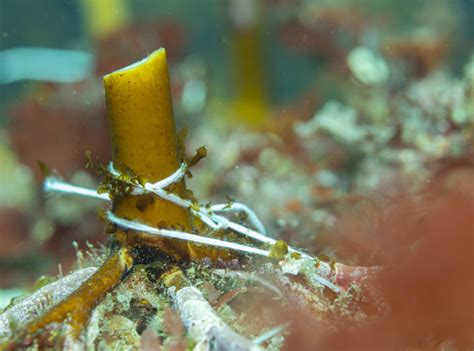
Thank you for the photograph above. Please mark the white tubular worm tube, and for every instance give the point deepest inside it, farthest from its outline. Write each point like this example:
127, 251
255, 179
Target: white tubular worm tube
251, 233
174, 178
206, 215
174, 234
53, 184
161, 184
207, 220
201, 212
240, 207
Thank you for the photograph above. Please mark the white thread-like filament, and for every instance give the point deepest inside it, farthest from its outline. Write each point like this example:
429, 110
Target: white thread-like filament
174, 234
239, 207
54, 184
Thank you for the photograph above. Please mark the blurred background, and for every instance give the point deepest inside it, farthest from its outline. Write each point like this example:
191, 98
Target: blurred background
303, 106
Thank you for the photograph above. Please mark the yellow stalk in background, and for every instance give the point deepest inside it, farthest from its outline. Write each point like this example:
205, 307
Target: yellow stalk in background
251, 100
104, 16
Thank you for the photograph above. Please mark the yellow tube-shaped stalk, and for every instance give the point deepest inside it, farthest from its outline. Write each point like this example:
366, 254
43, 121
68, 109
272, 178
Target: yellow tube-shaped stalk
251, 101
251, 104
103, 17
141, 118
144, 141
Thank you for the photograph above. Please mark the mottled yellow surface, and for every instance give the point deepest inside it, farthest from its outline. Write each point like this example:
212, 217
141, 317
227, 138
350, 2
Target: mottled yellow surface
144, 141
141, 117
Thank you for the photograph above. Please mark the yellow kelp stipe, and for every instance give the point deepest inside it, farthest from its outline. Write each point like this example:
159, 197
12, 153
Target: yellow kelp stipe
251, 101
102, 17
144, 141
